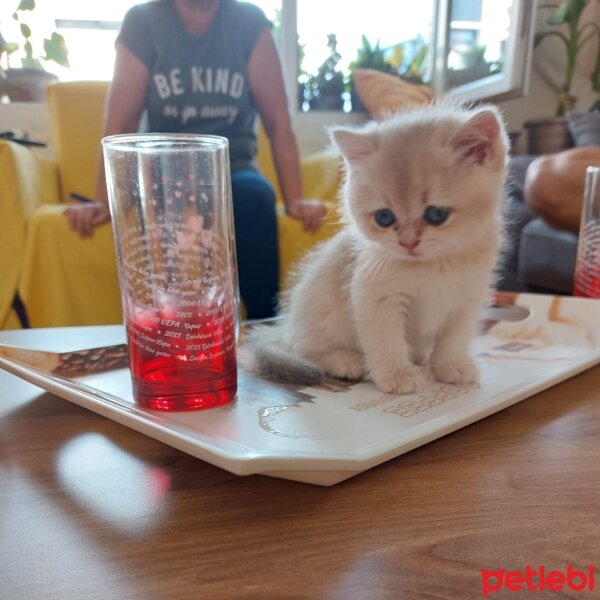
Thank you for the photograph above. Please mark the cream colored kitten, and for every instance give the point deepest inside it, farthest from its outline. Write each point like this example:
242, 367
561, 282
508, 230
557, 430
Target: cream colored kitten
401, 286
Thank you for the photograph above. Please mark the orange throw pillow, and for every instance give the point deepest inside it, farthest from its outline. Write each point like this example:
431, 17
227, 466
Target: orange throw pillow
382, 93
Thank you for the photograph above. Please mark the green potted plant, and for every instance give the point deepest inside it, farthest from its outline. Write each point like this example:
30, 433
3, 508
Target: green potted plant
370, 57
324, 90
367, 57
565, 20
415, 70
29, 81
574, 38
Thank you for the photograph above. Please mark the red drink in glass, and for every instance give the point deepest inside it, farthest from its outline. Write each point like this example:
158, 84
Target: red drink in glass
587, 270
182, 365
589, 289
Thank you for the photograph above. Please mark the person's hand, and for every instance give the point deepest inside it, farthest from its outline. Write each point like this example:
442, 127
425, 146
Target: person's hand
84, 218
310, 212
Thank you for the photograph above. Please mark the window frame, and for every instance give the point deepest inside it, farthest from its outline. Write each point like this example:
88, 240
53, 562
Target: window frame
513, 82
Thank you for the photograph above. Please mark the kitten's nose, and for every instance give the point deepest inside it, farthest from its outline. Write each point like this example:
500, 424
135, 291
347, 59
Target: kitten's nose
410, 245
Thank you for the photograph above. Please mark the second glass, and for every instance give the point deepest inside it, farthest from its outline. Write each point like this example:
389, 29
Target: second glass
172, 214
587, 269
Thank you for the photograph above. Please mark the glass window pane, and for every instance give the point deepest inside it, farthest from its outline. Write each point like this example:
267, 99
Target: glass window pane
271, 8
336, 35
91, 54
89, 29
479, 30
91, 50
487, 52
107, 10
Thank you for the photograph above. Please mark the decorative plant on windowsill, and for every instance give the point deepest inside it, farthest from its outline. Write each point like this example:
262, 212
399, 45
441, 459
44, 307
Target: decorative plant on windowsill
30, 80
370, 57
574, 37
415, 70
367, 57
324, 89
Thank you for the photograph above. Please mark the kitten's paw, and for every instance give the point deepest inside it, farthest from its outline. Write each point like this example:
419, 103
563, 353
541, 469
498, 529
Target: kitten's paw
462, 372
402, 381
345, 364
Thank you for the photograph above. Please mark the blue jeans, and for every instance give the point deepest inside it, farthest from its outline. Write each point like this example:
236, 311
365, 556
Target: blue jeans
256, 242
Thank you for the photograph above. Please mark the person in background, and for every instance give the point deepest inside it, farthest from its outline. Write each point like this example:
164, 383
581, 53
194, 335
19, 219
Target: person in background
209, 66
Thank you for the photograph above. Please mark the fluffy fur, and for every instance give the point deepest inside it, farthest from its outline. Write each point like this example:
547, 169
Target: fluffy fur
394, 302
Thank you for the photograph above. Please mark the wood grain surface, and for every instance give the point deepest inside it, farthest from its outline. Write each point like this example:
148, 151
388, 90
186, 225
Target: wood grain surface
91, 509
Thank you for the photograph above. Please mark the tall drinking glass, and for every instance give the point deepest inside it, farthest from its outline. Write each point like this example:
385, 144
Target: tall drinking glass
587, 270
172, 215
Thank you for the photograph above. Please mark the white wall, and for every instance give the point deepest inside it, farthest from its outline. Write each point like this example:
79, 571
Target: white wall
548, 74
540, 102
29, 120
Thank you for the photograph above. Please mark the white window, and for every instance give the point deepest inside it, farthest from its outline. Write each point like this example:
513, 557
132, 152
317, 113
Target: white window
476, 48
89, 29
482, 48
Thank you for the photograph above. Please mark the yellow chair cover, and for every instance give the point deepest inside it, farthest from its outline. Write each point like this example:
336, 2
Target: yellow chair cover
64, 280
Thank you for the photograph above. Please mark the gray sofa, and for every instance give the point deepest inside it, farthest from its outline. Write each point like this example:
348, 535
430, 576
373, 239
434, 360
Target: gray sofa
539, 257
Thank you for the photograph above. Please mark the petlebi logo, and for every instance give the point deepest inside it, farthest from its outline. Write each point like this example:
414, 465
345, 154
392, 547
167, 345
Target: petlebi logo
538, 579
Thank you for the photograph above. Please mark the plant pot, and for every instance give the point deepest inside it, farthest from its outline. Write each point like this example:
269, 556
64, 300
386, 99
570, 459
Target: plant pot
547, 136
325, 102
25, 85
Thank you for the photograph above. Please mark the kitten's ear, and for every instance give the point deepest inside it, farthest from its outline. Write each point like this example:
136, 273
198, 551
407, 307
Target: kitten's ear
477, 137
352, 145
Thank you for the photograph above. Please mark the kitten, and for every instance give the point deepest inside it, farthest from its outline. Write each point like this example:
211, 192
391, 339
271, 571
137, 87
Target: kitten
401, 286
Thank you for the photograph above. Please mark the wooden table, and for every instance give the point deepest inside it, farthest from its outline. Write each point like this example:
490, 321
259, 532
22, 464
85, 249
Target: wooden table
145, 521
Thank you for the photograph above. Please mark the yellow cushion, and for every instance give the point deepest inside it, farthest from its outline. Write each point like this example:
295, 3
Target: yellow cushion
321, 178
68, 280
11, 321
26, 182
76, 113
294, 242
265, 161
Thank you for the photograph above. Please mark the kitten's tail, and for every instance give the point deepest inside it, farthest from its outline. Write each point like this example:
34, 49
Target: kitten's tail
271, 357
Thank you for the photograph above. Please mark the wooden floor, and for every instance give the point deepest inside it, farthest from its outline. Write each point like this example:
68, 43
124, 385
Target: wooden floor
90, 509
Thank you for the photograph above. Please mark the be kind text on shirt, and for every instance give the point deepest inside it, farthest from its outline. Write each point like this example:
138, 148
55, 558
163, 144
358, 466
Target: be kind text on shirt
202, 80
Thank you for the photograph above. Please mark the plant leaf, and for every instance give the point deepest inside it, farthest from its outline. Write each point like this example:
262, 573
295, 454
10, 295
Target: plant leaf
26, 5
567, 12
56, 50
9, 47
596, 73
28, 48
25, 30
544, 34
31, 63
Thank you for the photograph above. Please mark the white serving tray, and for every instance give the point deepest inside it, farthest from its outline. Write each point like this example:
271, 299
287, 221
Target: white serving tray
328, 433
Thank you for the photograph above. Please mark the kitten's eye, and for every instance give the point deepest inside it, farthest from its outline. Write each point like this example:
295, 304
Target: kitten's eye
436, 215
384, 217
